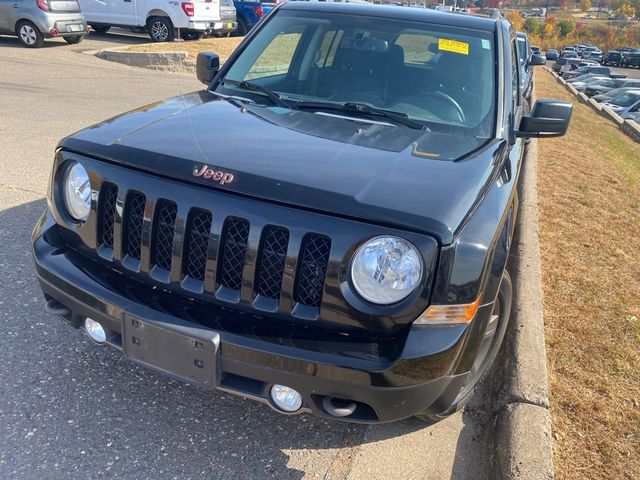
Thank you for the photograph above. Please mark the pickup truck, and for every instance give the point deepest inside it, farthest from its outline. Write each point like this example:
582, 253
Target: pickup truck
249, 13
346, 257
163, 20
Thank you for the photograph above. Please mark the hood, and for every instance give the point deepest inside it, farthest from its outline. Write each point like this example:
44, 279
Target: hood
412, 179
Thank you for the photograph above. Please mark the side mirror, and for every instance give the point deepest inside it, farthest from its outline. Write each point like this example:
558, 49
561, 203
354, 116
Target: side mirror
207, 65
548, 118
536, 59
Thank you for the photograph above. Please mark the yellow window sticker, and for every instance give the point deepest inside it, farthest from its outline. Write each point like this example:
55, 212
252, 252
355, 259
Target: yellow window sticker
453, 46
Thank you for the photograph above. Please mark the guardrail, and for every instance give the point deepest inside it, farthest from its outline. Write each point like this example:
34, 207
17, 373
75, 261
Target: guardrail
629, 127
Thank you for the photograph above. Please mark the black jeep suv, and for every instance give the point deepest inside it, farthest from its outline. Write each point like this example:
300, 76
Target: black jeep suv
324, 228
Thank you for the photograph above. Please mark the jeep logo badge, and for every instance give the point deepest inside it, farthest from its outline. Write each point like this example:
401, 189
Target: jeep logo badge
210, 173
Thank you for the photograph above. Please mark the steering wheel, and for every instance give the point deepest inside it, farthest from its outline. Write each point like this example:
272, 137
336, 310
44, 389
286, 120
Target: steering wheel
442, 98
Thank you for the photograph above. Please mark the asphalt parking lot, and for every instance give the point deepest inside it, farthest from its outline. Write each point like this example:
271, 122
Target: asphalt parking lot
69, 409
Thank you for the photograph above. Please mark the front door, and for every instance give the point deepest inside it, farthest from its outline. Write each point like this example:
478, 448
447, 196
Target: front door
95, 11
122, 12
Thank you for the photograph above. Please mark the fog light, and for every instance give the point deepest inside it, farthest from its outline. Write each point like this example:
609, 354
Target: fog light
54, 32
286, 398
95, 330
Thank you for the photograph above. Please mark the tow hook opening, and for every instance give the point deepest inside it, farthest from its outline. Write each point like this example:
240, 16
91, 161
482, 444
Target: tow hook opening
338, 407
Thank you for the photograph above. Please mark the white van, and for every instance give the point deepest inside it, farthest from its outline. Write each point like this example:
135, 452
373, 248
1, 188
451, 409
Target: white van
164, 20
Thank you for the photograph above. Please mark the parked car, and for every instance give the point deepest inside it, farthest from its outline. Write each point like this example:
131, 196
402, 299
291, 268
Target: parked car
526, 72
586, 68
569, 54
570, 65
163, 20
535, 49
587, 76
369, 299
632, 114
551, 54
626, 55
582, 86
625, 102
632, 60
563, 65
595, 56
613, 58
603, 97
599, 70
599, 89
248, 13
34, 20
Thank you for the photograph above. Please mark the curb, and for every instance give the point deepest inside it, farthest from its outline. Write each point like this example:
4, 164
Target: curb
169, 61
522, 442
177, 61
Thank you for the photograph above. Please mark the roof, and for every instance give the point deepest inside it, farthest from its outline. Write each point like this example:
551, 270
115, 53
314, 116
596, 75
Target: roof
397, 13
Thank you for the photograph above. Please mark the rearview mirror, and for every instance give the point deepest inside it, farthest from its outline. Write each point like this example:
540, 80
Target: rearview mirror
207, 65
548, 118
536, 59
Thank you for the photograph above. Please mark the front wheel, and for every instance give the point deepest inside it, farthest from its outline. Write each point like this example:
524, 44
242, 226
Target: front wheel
487, 352
161, 29
73, 40
29, 34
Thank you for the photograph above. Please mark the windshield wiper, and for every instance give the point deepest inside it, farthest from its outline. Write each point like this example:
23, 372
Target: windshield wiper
361, 108
254, 87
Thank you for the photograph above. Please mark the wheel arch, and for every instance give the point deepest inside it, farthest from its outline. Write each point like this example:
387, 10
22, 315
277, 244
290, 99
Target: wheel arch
158, 12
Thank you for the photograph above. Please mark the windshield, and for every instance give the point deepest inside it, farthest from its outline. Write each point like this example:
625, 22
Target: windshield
626, 99
441, 76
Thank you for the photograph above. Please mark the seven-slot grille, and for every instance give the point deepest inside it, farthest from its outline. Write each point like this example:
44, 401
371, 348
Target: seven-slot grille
313, 255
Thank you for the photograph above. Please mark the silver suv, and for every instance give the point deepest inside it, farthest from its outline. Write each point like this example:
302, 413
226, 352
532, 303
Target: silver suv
34, 20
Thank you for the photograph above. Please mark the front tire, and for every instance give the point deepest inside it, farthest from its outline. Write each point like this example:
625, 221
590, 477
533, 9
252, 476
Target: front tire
487, 352
161, 29
29, 35
73, 40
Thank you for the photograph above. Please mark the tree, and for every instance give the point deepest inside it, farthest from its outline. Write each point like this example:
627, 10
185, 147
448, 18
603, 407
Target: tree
516, 20
532, 26
566, 28
585, 5
626, 11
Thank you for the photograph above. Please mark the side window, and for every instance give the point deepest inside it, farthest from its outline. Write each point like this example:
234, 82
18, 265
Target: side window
515, 72
277, 57
328, 48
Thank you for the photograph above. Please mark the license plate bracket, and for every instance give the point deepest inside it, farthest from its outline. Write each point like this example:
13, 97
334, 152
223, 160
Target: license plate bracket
75, 27
186, 353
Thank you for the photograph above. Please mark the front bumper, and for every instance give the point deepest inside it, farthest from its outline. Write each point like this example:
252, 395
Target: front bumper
425, 377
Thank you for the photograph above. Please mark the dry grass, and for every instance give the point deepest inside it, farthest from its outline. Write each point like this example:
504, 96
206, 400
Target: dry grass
222, 46
589, 196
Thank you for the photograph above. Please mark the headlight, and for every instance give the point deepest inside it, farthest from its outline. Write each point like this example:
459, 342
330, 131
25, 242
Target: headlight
386, 270
77, 192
